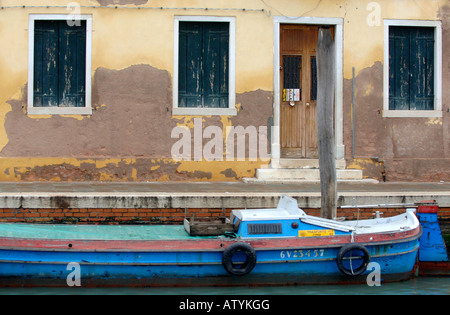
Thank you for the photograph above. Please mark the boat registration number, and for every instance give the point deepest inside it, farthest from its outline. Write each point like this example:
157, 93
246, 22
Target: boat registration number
302, 253
313, 233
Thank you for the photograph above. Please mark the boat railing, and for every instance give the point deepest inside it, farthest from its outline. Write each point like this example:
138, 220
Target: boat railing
382, 205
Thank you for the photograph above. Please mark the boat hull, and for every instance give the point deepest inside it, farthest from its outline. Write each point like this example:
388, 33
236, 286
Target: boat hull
33, 262
433, 256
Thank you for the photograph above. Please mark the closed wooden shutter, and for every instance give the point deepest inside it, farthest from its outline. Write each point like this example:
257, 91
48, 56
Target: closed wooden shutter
203, 64
422, 69
190, 65
46, 64
72, 65
411, 68
59, 64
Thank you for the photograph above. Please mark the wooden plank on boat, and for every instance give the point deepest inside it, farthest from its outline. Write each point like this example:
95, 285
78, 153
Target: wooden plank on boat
208, 226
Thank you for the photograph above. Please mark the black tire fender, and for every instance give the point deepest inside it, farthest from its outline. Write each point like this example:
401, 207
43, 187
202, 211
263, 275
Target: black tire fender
350, 247
242, 269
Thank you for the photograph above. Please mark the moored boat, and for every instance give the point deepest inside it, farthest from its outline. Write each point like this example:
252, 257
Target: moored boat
432, 256
276, 246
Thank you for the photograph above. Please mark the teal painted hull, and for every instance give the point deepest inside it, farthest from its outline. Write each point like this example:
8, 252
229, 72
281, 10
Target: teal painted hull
393, 262
268, 246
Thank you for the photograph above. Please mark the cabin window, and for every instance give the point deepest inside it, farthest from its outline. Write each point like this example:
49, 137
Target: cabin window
204, 66
412, 73
264, 228
59, 66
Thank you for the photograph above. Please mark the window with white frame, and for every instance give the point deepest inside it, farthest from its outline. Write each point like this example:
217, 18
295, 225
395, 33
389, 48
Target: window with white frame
204, 66
59, 65
412, 69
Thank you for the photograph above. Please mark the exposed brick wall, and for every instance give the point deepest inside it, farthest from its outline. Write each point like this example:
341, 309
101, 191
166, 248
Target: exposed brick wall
106, 216
159, 216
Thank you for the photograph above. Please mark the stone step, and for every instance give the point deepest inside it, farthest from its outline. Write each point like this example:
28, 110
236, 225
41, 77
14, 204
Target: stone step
268, 174
306, 163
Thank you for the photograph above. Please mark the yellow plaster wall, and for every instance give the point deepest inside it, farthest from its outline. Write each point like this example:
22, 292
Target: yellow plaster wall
363, 41
125, 37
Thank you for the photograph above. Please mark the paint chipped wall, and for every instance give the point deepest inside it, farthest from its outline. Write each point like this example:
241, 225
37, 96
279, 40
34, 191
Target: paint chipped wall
128, 135
397, 149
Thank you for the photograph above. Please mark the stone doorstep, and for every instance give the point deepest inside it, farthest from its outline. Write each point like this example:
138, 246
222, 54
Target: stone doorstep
302, 170
304, 174
252, 180
306, 163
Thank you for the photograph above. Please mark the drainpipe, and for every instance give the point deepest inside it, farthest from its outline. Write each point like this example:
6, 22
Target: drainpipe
353, 116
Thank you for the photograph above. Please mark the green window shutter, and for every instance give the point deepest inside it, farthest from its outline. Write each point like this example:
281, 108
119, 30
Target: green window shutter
59, 64
422, 69
411, 68
190, 65
399, 68
203, 64
72, 64
46, 64
215, 55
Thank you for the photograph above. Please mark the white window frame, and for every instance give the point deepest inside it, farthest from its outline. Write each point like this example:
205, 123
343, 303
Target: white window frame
437, 112
87, 109
231, 110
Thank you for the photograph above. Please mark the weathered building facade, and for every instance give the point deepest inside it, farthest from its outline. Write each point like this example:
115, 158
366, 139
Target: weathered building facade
139, 90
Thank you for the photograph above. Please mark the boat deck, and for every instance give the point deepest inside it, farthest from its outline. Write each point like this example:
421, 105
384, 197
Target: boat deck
95, 232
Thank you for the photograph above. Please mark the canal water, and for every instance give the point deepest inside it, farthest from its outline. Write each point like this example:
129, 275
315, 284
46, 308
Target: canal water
416, 286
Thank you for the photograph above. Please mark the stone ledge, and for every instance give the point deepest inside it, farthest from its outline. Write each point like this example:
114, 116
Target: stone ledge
229, 200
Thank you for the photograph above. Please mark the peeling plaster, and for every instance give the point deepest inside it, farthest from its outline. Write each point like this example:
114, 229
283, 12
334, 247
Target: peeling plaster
127, 138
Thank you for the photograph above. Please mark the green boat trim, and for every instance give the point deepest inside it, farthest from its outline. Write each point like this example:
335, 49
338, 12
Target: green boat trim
96, 232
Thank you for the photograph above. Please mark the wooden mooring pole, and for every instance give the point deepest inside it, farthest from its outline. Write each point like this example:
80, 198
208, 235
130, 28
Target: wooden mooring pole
325, 126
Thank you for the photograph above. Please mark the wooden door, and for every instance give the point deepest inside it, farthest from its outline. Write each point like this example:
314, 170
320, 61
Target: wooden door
298, 87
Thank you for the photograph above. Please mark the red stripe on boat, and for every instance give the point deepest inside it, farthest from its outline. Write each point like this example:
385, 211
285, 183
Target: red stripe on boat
200, 244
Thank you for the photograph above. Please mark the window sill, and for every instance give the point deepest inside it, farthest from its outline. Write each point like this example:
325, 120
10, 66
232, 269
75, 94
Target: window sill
59, 111
184, 111
412, 113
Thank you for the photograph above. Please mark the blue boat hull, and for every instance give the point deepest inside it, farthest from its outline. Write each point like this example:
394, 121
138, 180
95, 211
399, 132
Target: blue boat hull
308, 265
269, 247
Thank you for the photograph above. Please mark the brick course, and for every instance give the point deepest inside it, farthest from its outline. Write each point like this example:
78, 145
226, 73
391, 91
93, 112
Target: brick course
160, 216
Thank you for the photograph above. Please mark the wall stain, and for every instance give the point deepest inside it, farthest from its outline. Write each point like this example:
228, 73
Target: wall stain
127, 138
229, 173
139, 94
412, 149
